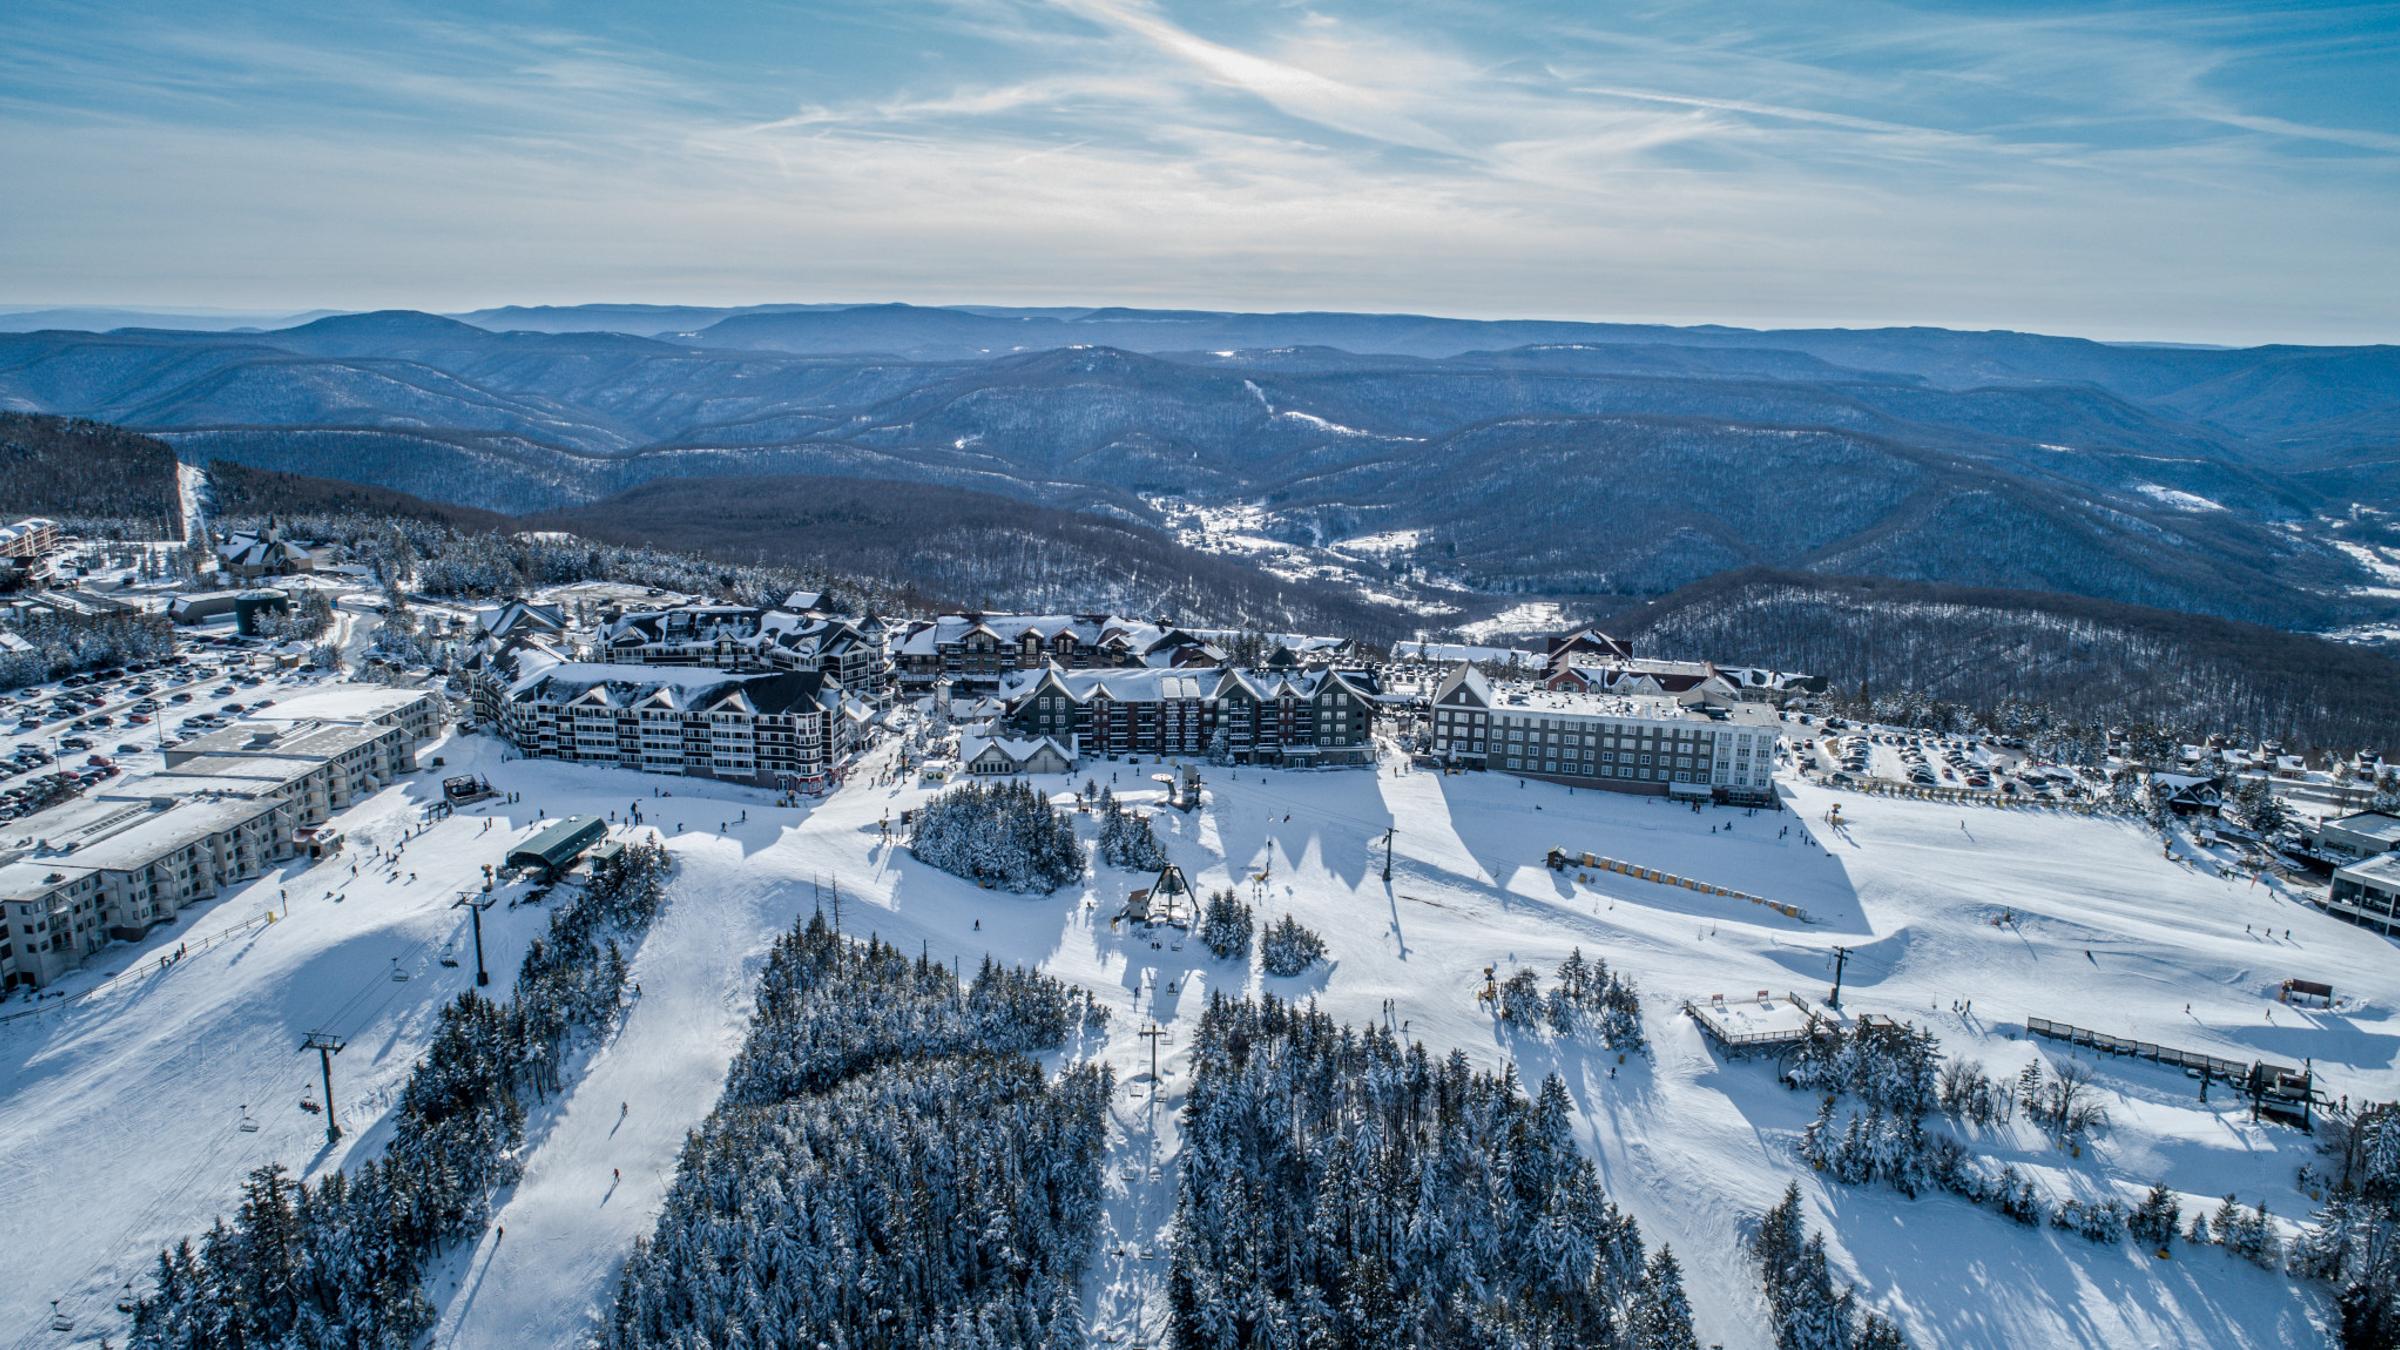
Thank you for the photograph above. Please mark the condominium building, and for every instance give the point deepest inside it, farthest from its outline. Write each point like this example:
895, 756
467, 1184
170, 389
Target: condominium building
1623, 743
225, 809
977, 650
747, 638
2367, 894
84, 873
29, 538
773, 729
1320, 716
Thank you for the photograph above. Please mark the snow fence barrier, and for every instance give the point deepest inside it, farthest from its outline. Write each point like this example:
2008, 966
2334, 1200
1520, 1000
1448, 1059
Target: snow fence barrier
1657, 877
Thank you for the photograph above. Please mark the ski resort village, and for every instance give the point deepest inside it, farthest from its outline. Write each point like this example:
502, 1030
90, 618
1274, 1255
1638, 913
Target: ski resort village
394, 962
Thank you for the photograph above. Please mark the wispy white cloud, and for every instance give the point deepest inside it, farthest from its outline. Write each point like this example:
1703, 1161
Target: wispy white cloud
2114, 174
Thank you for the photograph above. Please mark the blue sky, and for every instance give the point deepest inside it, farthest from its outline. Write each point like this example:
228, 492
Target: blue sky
2181, 172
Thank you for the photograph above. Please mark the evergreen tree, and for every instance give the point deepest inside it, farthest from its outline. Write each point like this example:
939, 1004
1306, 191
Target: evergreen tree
1288, 948
1226, 926
886, 1165
1662, 1315
2153, 1221
1341, 1188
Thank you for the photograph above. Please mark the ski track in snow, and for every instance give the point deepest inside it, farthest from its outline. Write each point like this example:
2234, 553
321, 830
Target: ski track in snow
191, 493
117, 1123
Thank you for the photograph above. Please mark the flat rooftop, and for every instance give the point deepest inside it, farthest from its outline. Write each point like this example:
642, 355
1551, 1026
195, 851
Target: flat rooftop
117, 833
342, 702
1645, 707
247, 774
29, 877
2383, 869
2374, 825
311, 739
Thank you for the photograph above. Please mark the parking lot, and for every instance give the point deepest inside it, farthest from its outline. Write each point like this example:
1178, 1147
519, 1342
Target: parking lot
1968, 763
61, 738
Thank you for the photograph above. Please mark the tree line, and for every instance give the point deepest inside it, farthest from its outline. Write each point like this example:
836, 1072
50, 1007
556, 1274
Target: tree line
886, 1166
342, 1263
1340, 1187
2022, 662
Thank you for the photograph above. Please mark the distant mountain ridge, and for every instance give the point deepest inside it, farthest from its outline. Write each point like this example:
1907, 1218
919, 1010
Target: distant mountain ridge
1579, 461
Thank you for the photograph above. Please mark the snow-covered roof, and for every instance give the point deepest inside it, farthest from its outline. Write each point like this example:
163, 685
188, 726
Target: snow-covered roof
24, 529
623, 686
1018, 749
1154, 685
1673, 677
2383, 869
342, 702
2373, 825
735, 625
126, 829
507, 619
930, 636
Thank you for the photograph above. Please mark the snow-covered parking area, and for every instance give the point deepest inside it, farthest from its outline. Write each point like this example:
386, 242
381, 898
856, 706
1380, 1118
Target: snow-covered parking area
119, 1123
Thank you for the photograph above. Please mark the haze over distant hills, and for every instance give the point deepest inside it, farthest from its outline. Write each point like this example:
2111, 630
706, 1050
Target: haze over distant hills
1441, 467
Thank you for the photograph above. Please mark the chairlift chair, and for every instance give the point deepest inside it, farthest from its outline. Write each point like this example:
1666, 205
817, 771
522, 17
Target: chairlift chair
248, 1125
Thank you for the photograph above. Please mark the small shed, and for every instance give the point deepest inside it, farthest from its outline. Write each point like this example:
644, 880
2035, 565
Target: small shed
559, 846
2306, 991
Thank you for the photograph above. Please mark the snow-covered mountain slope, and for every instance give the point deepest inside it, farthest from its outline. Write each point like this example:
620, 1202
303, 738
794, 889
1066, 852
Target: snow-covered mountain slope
120, 1115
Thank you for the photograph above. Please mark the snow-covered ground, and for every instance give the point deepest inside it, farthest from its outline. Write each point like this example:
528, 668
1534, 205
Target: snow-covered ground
120, 1113
191, 494
1244, 530
2177, 498
1531, 617
118, 1123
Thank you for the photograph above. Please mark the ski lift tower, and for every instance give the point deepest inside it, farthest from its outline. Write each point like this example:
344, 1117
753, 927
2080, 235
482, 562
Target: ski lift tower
1171, 898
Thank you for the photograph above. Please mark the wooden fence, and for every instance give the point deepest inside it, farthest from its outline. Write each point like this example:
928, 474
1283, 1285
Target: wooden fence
2232, 1070
149, 967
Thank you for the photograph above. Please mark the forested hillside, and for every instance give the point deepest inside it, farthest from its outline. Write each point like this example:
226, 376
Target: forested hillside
2017, 658
1581, 462
70, 469
242, 492
967, 548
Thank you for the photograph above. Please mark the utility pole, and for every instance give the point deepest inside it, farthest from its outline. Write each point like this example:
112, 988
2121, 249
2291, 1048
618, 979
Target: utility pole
475, 909
327, 1045
1388, 832
1841, 958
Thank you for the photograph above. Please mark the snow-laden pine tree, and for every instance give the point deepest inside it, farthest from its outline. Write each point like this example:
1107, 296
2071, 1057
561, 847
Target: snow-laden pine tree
342, 1263
886, 1166
1804, 1310
1226, 926
1287, 948
1002, 834
1340, 1187
2353, 1243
